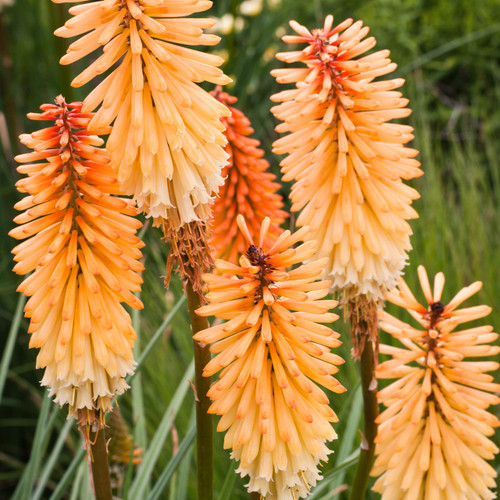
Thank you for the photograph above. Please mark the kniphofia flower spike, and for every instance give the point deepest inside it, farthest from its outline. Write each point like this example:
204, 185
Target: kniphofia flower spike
273, 352
121, 448
82, 253
249, 188
167, 139
432, 441
347, 161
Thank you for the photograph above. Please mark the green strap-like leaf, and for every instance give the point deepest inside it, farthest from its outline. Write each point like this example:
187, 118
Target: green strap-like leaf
173, 463
152, 453
11, 342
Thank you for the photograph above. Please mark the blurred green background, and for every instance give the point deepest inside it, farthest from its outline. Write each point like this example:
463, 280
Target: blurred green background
448, 51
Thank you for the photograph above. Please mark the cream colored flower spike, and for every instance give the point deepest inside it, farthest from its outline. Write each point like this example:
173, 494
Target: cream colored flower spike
82, 251
432, 441
274, 354
347, 161
167, 142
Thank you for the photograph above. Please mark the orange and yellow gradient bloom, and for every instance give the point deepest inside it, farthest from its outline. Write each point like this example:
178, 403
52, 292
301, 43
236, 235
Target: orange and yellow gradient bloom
432, 439
82, 252
167, 142
249, 188
274, 354
345, 157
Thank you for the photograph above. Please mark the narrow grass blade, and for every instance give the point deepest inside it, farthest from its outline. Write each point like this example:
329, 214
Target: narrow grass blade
178, 482
49, 465
137, 392
172, 492
77, 484
448, 47
68, 475
226, 493
349, 437
26, 483
173, 463
11, 341
326, 483
157, 335
50, 425
139, 416
86, 492
183, 477
151, 456
128, 474
81, 489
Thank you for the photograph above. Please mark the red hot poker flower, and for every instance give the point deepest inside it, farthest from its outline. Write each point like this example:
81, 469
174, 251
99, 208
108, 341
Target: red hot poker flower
348, 162
433, 440
167, 139
249, 188
274, 354
82, 252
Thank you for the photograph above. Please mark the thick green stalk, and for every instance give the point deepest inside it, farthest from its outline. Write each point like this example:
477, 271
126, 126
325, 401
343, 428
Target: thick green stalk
367, 451
100, 465
204, 439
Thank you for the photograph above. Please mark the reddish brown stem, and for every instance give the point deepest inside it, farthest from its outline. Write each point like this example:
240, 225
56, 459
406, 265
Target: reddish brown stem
100, 466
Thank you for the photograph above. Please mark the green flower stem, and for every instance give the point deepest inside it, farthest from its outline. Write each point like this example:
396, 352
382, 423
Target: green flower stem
100, 465
204, 430
367, 451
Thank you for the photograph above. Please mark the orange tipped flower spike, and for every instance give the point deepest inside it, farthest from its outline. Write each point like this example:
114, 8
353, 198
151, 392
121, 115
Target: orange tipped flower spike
273, 352
249, 189
167, 139
432, 441
82, 252
121, 448
347, 161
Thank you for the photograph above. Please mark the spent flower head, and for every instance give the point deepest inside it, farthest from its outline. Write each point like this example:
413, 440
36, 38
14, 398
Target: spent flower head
274, 354
167, 139
347, 161
432, 439
82, 252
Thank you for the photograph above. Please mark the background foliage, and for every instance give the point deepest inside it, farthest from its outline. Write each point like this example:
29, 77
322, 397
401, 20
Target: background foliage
448, 52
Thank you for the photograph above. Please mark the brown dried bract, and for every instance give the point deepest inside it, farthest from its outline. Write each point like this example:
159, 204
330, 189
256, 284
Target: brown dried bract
190, 253
363, 316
